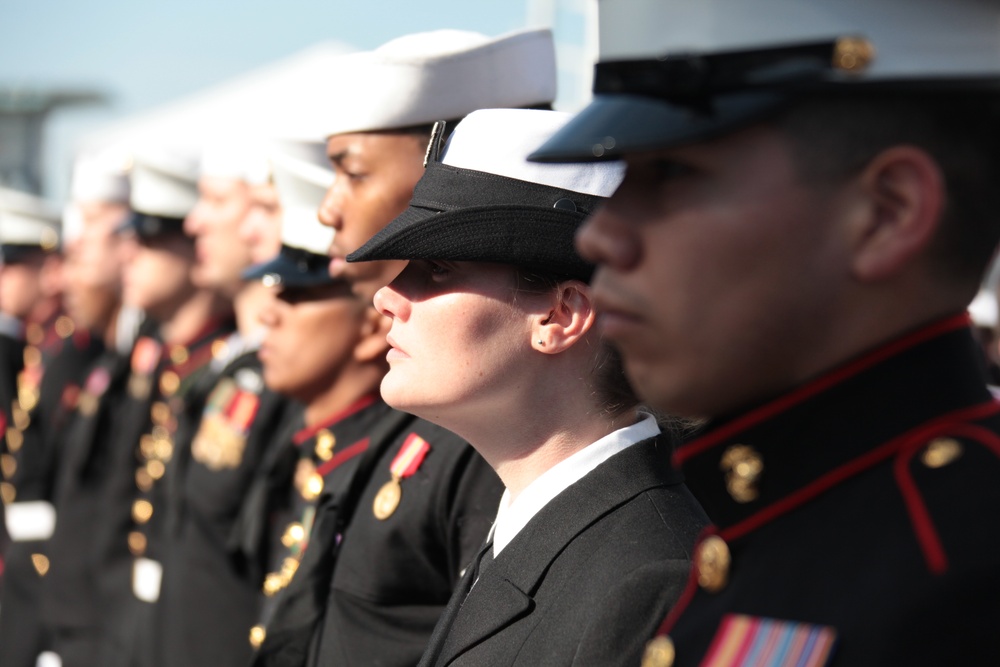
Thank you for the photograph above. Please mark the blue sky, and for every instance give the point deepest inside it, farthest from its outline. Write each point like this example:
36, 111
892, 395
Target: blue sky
144, 53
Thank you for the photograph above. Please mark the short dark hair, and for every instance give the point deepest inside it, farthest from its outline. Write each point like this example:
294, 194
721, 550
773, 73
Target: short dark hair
834, 136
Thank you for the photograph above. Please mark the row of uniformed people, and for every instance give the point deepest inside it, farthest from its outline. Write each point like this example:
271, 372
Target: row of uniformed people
200, 515
825, 458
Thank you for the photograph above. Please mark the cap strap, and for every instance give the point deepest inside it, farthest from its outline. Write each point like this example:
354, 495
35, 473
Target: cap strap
702, 75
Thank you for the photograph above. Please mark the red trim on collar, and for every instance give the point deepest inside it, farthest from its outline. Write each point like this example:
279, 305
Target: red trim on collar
869, 459
923, 525
926, 534
818, 385
355, 407
343, 456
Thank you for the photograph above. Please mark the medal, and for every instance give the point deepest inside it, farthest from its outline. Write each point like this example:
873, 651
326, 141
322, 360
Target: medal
406, 463
387, 499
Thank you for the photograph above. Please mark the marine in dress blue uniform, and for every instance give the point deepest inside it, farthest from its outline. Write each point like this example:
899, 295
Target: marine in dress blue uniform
850, 497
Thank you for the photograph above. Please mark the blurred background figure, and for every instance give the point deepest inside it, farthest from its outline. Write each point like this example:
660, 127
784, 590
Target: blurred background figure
261, 228
318, 350
212, 577
167, 366
30, 300
99, 206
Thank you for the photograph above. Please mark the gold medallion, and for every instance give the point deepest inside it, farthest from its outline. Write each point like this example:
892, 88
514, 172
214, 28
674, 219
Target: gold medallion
387, 499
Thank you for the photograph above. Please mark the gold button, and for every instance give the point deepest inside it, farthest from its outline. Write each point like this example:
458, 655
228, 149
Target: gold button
27, 397
325, 442
65, 326
743, 467
7, 492
170, 382
853, 54
294, 534
32, 356
313, 487
143, 480
142, 511
136, 543
160, 413
940, 452
713, 560
21, 417
8, 465
14, 439
257, 635
34, 334
155, 469
179, 354
273, 583
41, 564
147, 446
659, 652
163, 449
288, 568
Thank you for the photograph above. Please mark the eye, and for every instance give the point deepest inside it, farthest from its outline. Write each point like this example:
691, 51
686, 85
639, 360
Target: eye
351, 174
437, 269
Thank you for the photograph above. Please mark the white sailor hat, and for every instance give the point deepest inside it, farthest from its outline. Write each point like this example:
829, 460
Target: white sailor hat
681, 71
983, 309
28, 224
484, 202
446, 74
164, 190
238, 158
302, 262
101, 176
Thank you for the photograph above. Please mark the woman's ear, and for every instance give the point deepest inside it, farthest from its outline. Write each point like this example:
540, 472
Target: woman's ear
570, 315
904, 194
372, 345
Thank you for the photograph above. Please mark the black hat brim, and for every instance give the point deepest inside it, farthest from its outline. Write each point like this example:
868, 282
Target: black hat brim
150, 226
15, 253
293, 267
539, 239
613, 126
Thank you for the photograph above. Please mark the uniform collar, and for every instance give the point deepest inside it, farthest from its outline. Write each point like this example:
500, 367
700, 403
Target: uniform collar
515, 514
834, 426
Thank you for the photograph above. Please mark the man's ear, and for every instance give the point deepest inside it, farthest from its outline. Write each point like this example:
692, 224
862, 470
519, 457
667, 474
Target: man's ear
570, 315
372, 345
903, 191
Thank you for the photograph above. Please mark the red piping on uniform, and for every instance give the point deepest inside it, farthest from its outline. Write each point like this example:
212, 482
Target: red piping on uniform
357, 406
344, 455
852, 468
821, 384
857, 465
923, 525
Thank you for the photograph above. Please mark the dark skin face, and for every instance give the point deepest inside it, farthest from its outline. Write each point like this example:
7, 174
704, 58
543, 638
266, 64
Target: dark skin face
375, 176
697, 250
311, 336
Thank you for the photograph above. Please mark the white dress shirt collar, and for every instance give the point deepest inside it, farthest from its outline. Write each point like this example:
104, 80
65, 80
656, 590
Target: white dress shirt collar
513, 516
